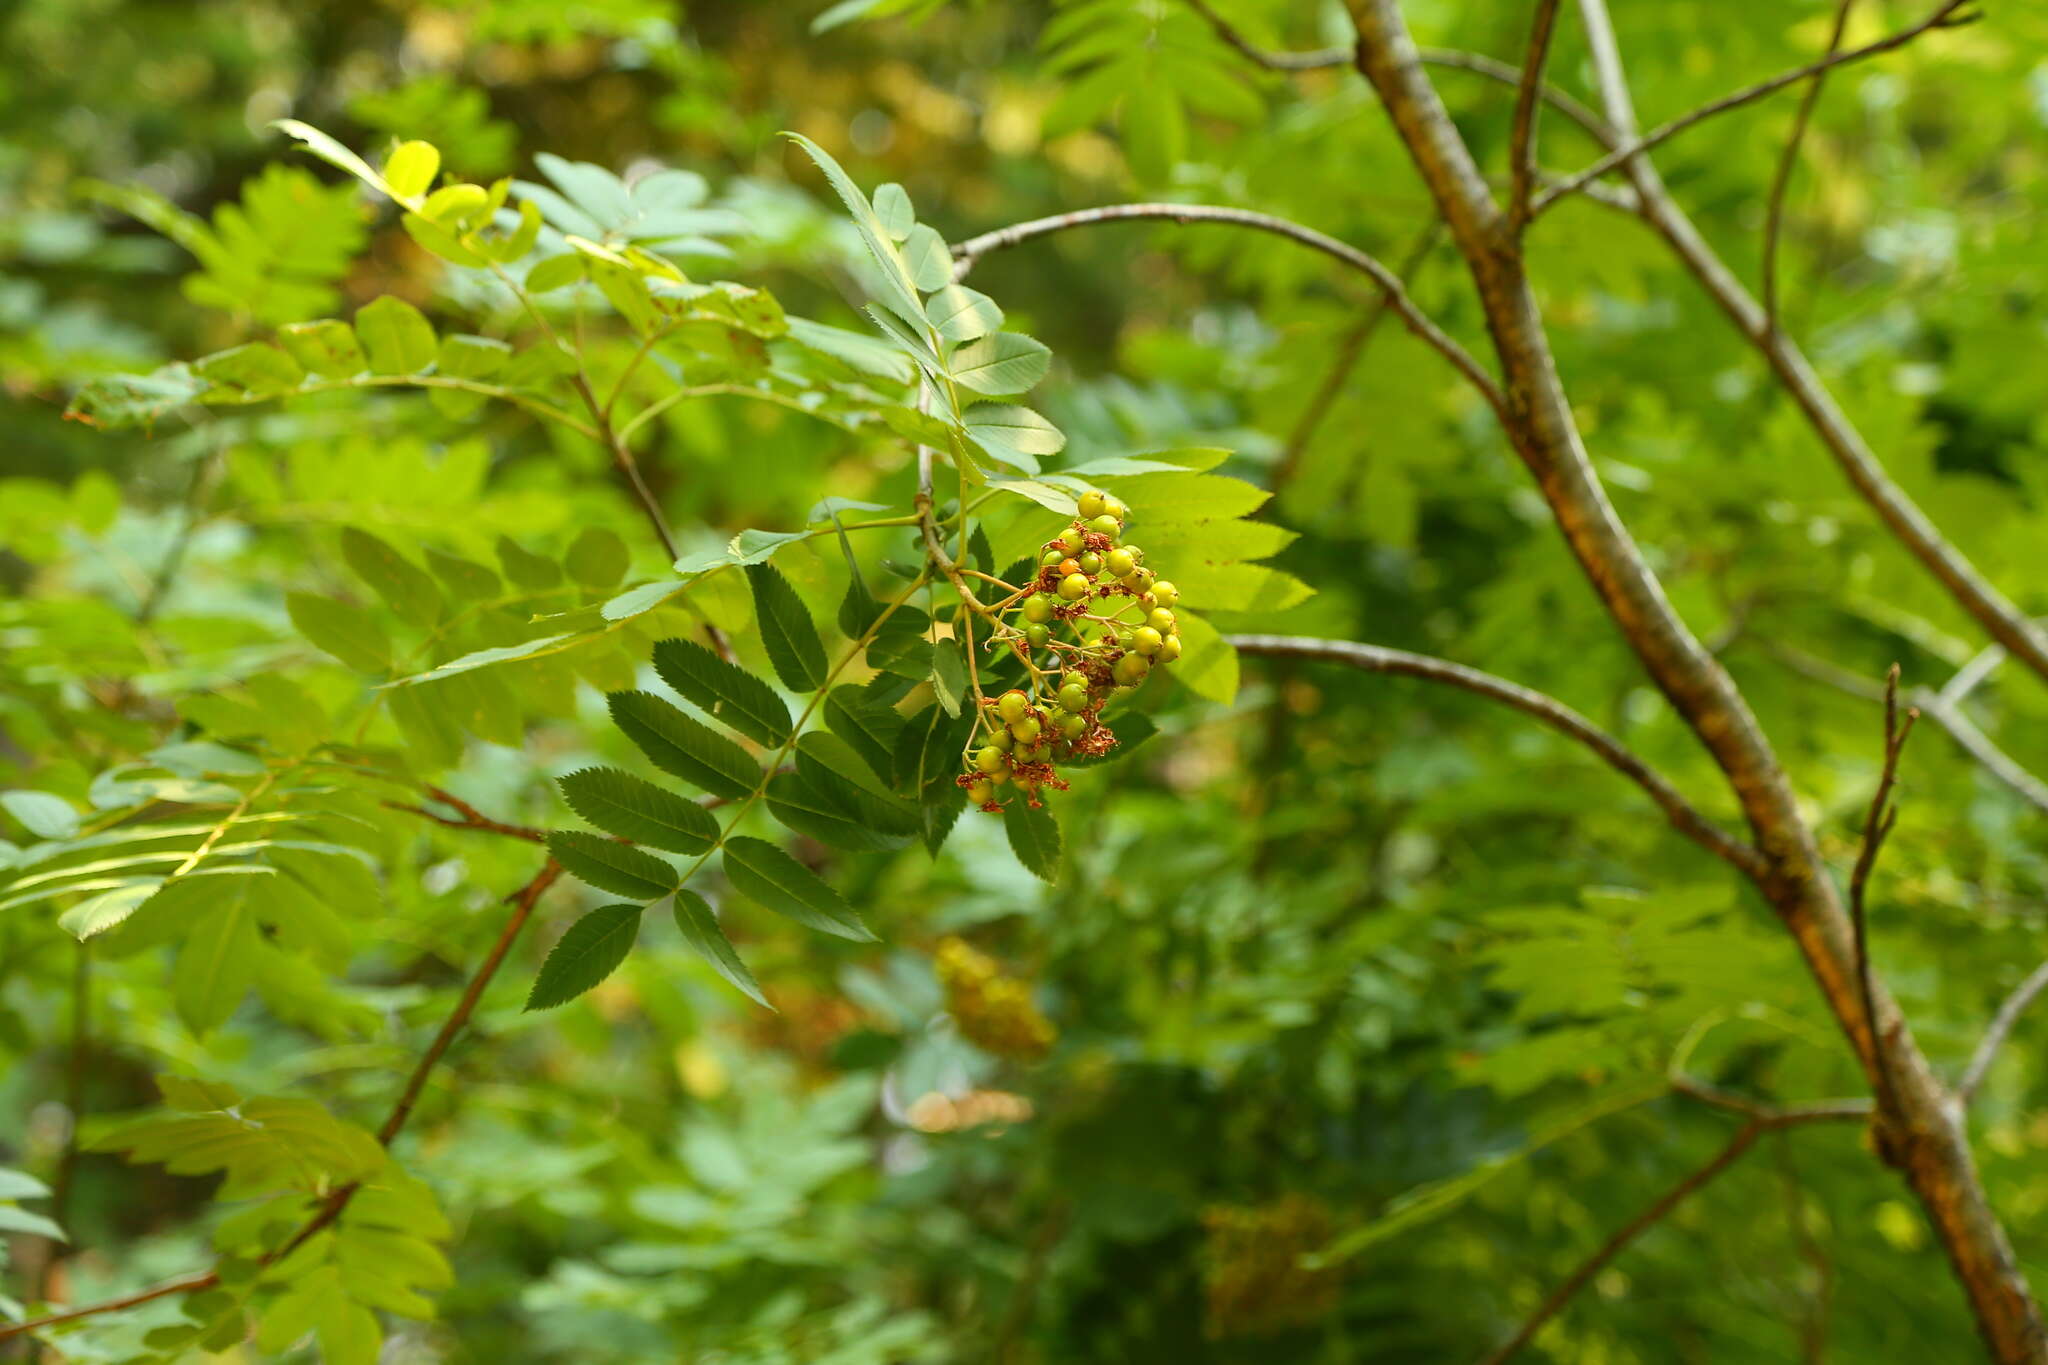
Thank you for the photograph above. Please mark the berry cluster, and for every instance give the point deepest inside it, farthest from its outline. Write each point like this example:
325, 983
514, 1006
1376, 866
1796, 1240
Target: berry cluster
995, 1012
1094, 620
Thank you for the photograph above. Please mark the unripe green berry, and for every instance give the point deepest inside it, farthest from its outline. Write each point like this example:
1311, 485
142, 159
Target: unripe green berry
1073, 698
1164, 593
1051, 558
1105, 525
1027, 730
1131, 669
1114, 508
1074, 587
1071, 539
1091, 504
1119, 562
981, 793
1147, 641
1038, 635
1089, 563
1073, 726
992, 760
1012, 704
1140, 579
1038, 607
1000, 738
1170, 651
1160, 619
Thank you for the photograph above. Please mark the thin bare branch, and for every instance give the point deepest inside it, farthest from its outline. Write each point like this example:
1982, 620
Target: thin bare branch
1936, 706
1945, 15
974, 248
1788, 160
1266, 57
1478, 64
1522, 132
1877, 827
1772, 1115
331, 1207
1995, 1036
1378, 659
472, 818
1349, 352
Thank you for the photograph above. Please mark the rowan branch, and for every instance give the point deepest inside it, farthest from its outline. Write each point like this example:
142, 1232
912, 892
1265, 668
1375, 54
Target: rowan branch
331, 1207
1944, 16
472, 818
1349, 352
974, 248
1266, 57
1941, 707
1995, 1036
1522, 132
1788, 160
1378, 659
1694, 1181
1877, 827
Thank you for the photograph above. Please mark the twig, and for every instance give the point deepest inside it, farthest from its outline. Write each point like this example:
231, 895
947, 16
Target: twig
1271, 60
1937, 707
974, 248
331, 1207
1944, 16
1763, 1121
472, 818
1788, 160
1349, 351
1378, 659
1877, 826
1522, 133
1771, 1115
522, 909
1995, 1036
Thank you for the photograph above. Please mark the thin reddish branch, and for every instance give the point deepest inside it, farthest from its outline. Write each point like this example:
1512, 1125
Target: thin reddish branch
1788, 160
1995, 1036
331, 1207
472, 818
1877, 827
1522, 133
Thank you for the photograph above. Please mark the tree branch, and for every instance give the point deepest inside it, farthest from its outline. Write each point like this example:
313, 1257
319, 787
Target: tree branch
1995, 1036
1774, 217
1271, 60
974, 248
472, 818
1694, 1181
1932, 1151
1877, 827
331, 1207
1941, 707
1944, 16
1522, 132
1377, 659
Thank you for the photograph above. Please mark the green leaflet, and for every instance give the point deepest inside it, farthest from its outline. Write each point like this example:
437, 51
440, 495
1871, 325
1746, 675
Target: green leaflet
700, 930
396, 337
590, 951
723, 690
612, 866
787, 631
405, 587
622, 804
349, 633
771, 878
1034, 837
683, 747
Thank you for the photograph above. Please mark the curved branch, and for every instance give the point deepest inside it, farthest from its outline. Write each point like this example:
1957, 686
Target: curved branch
1522, 132
1266, 57
1788, 160
1377, 659
1995, 1036
974, 248
1944, 16
331, 1207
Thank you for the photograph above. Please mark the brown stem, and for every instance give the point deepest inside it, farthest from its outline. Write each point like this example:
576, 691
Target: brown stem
1694, 1181
472, 818
1926, 1142
974, 248
1877, 827
1378, 659
1522, 132
1788, 160
331, 1207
